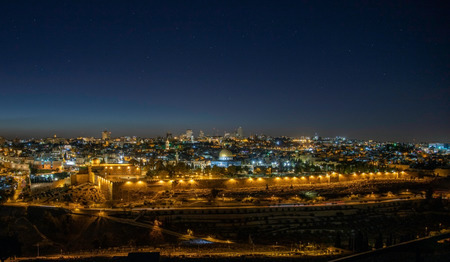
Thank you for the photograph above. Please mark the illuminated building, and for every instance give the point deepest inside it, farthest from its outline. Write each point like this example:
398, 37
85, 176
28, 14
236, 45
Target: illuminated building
106, 135
225, 155
225, 159
189, 135
167, 144
240, 133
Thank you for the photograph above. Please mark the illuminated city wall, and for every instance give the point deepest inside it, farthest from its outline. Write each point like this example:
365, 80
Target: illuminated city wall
117, 170
79, 179
124, 189
106, 186
277, 181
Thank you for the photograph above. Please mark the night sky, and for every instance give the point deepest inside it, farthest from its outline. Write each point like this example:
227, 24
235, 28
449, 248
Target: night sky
372, 70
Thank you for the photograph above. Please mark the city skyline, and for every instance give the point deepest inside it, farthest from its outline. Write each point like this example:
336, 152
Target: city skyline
224, 130
374, 71
197, 133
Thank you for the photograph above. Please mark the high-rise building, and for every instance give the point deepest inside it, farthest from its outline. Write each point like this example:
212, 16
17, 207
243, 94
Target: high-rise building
189, 135
240, 133
106, 135
316, 137
201, 134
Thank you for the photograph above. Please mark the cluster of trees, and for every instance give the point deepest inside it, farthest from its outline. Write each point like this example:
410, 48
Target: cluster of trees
49, 179
300, 167
343, 168
398, 147
348, 168
8, 191
430, 164
170, 170
167, 170
231, 171
4, 195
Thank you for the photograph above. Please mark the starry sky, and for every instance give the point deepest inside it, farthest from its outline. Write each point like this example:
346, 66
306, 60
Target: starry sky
362, 69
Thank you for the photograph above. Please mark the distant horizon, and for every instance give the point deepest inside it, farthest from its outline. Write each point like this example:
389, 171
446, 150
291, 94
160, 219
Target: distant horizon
206, 133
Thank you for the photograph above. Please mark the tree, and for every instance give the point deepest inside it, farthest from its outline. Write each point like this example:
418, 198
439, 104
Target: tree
134, 162
163, 174
180, 167
260, 170
4, 195
216, 170
214, 193
156, 233
207, 170
232, 171
33, 170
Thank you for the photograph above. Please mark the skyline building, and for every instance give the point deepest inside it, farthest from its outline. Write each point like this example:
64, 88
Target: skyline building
240, 133
167, 144
189, 135
106, 135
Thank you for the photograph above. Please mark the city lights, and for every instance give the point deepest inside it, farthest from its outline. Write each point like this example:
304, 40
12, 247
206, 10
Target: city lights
224, 131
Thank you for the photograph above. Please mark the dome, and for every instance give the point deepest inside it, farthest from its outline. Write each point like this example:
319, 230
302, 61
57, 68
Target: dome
225, 154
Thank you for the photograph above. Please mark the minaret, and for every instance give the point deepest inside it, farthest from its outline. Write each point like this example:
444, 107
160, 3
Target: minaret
167, 144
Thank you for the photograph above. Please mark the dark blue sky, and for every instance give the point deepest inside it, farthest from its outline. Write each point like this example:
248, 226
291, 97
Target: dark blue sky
377, 69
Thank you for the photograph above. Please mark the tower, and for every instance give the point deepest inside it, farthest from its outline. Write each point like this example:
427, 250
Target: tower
190, 135
240, 133
167, 144
106, 135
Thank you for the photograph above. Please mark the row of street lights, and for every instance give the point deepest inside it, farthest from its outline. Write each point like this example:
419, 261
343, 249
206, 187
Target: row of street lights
328, 176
